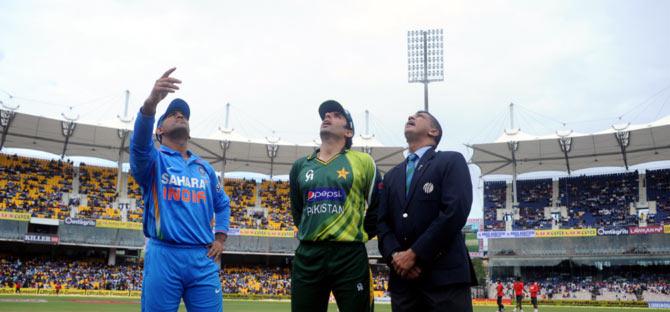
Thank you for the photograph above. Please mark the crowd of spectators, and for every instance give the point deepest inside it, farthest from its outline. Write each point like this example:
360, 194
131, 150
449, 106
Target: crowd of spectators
257, 280
658, 190
591, 201
34, 185
600, 200
242, 194
135, 192
275, 198
43, 272
37, 186
99, 186
95, 274
534, 195
494, 199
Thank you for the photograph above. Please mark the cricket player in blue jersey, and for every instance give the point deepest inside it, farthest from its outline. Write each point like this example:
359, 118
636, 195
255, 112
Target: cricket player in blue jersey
182, 196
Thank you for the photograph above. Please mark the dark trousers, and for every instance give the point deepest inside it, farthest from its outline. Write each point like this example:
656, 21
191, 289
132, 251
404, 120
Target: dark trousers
319, 268
454, 298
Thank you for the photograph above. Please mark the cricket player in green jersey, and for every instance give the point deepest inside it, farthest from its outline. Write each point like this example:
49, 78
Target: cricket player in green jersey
334, 205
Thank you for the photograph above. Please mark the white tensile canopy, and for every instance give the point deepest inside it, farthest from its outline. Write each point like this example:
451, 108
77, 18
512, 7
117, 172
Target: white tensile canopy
225, 150
516, 152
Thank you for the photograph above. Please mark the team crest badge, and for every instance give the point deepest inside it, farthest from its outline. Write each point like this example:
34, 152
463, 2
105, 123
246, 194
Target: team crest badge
202, 171
428, 188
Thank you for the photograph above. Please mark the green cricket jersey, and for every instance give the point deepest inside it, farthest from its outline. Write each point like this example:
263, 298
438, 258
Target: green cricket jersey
335, 200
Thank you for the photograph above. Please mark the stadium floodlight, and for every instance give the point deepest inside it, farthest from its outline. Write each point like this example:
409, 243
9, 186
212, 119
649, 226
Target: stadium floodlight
565, 143
68, 125
67, 128
225, 143
272, 149
7, 114
425, 58
125, 118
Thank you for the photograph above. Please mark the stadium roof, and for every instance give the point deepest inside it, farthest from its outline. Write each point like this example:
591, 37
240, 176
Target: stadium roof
110, 141
618, 146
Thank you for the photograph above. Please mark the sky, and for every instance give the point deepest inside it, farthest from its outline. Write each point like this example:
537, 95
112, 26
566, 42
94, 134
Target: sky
581, 65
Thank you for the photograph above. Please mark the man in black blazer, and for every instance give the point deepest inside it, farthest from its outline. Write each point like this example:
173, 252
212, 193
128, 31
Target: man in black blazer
425, 202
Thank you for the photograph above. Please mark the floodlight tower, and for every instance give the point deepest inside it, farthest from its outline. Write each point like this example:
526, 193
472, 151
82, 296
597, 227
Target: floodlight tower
7, 114
425, 58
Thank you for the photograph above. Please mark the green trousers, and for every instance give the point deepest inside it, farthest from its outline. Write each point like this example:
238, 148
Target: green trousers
322, 267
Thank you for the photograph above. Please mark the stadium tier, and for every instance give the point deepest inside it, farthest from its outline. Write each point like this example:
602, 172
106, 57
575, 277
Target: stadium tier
99, 186
55, 202
598, 237
34, 186
242, 194
46, 272
56, 189
658, 189
275, 197
573, 235
611, 200
494, 199
596, 201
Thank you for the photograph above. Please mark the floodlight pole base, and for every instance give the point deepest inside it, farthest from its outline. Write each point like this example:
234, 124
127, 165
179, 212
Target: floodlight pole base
425, 95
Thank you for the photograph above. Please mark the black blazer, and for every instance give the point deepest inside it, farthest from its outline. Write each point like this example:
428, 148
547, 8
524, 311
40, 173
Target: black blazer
430, 219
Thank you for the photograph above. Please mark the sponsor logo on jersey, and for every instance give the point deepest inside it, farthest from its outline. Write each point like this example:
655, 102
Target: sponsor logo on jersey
183, 181
183, 188
326, 194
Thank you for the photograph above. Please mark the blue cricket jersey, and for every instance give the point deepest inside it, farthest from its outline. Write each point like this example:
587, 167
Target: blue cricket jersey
181, 197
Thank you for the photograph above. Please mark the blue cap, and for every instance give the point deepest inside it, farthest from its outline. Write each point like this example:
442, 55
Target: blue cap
176, 105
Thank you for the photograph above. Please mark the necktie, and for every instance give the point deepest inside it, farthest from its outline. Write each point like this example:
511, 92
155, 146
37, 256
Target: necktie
411, 164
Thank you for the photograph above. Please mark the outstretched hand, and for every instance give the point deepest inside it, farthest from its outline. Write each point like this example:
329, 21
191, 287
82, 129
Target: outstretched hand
164, 85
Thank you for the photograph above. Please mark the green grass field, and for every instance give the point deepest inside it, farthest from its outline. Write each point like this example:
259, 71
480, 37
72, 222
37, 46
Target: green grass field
471, 242
103, 304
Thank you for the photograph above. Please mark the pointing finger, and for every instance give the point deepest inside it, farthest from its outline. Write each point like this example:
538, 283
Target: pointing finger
168, 72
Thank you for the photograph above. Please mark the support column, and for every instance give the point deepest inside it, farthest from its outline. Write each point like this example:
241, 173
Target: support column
111, 259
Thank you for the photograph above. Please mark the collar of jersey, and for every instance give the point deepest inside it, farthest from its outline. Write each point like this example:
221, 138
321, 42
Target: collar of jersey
167, 150
316, 152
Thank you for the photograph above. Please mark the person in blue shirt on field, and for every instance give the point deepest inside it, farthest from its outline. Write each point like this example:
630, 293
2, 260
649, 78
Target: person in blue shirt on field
186, 214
